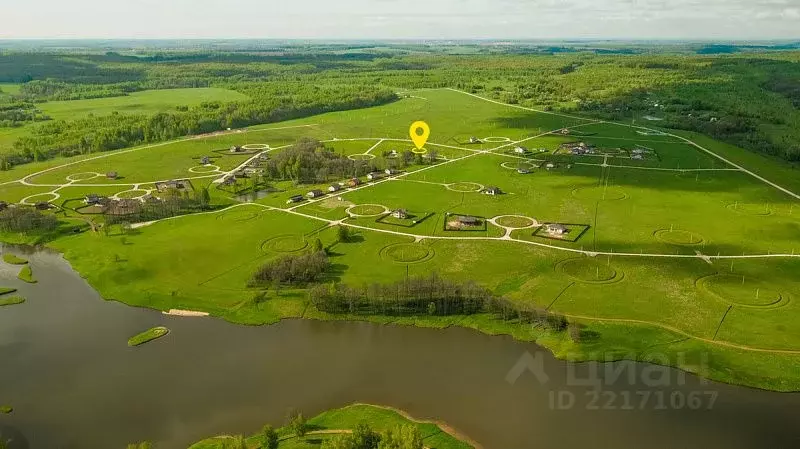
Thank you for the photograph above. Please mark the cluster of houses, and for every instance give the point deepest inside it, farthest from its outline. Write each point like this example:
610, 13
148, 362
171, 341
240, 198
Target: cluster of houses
254, 166
577, 148
119, 206
350, 183
639, 154
41, 205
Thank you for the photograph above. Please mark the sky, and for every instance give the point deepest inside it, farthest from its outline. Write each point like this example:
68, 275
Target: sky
409, 19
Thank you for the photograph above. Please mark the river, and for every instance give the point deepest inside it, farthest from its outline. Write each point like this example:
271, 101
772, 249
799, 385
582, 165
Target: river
73, 382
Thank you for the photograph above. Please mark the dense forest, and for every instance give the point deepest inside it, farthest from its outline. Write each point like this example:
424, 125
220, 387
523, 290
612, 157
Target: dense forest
748, 98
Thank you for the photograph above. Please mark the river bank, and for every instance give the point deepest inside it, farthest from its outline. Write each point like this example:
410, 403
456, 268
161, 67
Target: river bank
65, 334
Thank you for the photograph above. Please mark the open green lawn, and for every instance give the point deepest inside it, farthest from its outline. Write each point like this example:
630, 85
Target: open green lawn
328, 424
660, 207
145, 102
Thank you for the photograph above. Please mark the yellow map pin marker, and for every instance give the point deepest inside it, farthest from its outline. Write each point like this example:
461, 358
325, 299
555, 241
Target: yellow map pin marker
420, 131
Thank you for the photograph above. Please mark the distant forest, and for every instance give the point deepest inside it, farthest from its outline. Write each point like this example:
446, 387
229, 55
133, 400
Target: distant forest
748, 98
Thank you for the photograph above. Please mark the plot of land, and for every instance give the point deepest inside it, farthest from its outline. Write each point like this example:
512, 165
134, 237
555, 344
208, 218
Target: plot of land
683, 245
148, 101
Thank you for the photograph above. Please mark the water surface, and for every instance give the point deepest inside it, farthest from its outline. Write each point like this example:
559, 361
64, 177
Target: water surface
66, 369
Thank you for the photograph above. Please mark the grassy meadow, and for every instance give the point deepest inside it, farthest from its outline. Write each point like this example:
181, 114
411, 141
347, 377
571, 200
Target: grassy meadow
663, 211
144, 102
329, 424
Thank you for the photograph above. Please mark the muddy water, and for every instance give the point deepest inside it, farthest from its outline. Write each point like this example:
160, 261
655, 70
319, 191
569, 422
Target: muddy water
66, 369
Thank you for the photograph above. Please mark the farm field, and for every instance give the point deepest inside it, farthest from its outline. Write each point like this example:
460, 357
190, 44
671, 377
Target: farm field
677, 248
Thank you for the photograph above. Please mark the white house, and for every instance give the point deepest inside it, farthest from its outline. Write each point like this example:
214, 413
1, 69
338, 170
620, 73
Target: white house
555, 229
400, 213
491, 191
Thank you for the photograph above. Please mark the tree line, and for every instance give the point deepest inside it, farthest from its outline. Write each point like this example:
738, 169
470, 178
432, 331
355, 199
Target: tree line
102, 133
427, 296
21, 219
747, 99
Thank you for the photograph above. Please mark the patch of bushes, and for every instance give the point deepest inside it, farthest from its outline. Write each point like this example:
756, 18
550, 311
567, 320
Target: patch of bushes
291, 270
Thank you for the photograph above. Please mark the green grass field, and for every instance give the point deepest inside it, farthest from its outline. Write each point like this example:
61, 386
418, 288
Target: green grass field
333, 422
681, 251
145, 102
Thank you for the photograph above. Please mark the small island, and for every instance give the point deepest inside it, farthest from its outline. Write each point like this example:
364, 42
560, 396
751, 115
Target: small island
11, 300
351, 427
6, 409
13, 259
26, 274
148, 335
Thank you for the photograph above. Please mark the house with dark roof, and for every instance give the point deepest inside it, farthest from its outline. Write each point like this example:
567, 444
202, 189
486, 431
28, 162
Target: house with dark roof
316, 193
295, 199
491, 191
468, 220
112, 175
93, 199
176, 184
